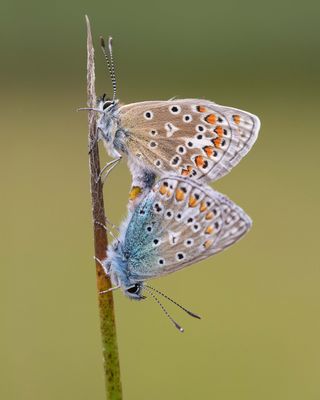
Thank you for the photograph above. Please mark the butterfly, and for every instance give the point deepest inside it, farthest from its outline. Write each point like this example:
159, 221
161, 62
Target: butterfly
192, 138
176, 223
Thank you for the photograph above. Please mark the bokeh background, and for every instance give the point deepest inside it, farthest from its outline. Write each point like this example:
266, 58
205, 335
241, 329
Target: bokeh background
259, 337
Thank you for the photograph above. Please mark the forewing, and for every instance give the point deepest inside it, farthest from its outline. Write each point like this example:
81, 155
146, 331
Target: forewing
191, 137
179, 223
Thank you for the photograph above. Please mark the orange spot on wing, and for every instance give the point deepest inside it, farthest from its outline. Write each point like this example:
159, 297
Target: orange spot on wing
199, 161
163, 189
134, 192
211, 119
236, 119
208, 150
207, 243
203, 206
209, 215
192, 201
186, 171
179, 195
217, 142
219, 130
201, 109
209, 230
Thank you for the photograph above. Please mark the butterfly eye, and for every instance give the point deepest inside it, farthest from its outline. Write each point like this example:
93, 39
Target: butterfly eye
134, 289
107, 104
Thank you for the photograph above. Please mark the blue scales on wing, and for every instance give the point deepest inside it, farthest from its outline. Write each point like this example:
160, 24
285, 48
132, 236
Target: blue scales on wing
177, 224
138, 244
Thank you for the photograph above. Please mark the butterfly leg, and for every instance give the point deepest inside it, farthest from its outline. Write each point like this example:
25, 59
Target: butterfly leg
108, 167
114, 226
110, 289
108, 230
93, 143
105, 266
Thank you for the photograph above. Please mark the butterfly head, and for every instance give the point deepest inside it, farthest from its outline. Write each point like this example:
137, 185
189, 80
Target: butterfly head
108, 121
117, 268
106, 104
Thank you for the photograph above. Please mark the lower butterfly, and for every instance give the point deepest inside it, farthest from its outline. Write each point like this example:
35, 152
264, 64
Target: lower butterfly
177, 223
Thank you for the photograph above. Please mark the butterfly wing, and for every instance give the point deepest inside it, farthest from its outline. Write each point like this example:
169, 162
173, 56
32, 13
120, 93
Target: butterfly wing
191, 137
177, 224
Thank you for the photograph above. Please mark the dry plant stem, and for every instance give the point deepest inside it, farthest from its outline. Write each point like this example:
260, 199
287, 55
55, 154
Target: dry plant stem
106, 306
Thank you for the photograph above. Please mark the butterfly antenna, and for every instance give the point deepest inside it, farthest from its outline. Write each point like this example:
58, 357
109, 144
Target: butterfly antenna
110, 63
113, 76
174, 302
164, 310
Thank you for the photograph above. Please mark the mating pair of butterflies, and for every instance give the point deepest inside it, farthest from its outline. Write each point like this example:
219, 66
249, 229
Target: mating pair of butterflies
177, 220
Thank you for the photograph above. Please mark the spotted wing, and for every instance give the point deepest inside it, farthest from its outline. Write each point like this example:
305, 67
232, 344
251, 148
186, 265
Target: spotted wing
191, 137
179, 223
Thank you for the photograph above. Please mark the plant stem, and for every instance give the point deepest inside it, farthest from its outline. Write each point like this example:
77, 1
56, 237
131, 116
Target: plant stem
106, 306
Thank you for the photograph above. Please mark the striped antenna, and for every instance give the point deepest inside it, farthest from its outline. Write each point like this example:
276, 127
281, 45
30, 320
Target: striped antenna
110, 63
164, 309
113, 78
174, 302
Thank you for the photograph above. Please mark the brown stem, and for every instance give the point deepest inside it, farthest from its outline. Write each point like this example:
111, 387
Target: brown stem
106, 306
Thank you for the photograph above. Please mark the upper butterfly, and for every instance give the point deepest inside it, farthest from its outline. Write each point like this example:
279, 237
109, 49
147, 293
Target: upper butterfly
189, 137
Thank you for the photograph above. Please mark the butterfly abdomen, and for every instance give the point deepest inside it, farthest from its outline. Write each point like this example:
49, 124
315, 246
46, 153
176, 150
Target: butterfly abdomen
119, 141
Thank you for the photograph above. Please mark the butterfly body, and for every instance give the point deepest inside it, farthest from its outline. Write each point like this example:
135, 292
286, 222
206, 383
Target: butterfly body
190, 137
108, 126
177, 223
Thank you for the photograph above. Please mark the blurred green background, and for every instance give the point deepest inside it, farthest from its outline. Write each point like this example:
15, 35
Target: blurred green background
259, 337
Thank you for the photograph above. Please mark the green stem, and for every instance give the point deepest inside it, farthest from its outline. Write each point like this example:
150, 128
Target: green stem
106, 305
